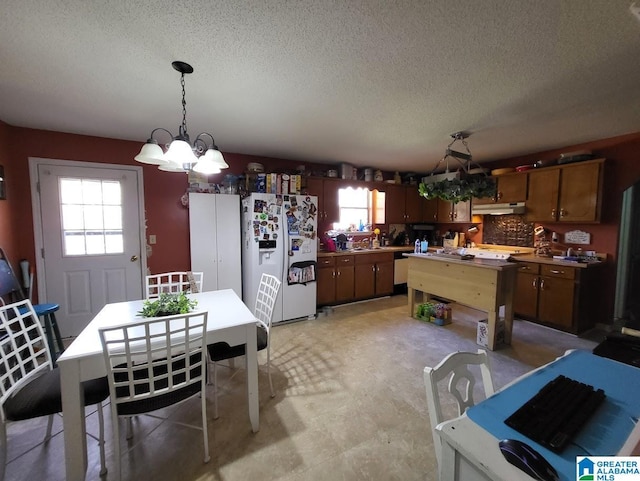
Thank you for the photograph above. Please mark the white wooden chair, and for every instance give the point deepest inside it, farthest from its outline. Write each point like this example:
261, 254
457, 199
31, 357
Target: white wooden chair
265, 301
155, 363
461, 384
173, 282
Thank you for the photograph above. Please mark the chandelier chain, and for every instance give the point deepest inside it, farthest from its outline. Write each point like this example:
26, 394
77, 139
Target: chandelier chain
184, 105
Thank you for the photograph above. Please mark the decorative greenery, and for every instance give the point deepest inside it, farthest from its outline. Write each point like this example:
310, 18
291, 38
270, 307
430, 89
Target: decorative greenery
460, 190
168, 304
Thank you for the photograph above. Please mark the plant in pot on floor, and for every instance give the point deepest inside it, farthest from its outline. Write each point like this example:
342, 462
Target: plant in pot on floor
168, 304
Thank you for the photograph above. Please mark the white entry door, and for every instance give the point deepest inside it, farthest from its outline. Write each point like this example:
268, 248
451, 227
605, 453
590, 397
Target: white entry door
91, 238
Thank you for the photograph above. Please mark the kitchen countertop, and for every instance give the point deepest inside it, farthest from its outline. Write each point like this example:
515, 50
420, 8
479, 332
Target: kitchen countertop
555, 262
475, 262
366, 251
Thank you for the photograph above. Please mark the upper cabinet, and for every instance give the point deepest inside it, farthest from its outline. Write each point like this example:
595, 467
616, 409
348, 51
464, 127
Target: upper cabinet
450, 212
567, 193
403, 204
509, 188
327, 192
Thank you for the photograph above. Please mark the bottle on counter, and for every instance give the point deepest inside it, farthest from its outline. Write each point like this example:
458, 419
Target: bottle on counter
416, 250
424, 246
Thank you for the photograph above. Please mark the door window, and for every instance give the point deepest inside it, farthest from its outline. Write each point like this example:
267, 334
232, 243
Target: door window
91, 216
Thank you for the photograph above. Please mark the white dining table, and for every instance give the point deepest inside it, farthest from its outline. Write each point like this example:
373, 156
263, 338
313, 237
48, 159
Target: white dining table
229, 320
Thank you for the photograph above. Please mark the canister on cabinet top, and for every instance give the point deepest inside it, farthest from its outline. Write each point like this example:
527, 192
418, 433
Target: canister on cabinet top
346, 171
368, 175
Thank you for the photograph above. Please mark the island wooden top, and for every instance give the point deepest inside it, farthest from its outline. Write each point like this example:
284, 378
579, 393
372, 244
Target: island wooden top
495, 264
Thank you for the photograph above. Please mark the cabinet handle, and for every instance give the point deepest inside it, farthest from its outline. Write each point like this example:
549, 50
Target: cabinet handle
542, 284
373, 268
535, 283
339, 273
553, 213
554, 271
499, 195
334, 274
562, 212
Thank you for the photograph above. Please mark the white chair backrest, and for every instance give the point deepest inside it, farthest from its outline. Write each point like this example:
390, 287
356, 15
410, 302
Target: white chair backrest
461, 385
266, 299
153, 357
24, 352
173, 282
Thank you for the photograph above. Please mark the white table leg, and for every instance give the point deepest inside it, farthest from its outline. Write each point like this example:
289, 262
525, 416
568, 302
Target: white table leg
252, 378
75, 443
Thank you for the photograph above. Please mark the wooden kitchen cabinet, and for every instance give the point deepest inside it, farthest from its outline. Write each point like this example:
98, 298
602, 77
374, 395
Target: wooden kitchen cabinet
525, 302
335, 279
327, 192
509, 188
558, 296
450, 212
403, 204
374, 275
567, 193
429, 210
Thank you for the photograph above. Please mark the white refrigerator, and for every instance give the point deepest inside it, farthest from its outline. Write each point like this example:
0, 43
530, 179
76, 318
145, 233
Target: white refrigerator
279, 237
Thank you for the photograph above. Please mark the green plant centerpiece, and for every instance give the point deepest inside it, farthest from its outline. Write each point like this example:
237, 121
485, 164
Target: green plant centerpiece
168, 304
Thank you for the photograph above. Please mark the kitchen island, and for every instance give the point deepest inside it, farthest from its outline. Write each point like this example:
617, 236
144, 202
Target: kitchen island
483, 284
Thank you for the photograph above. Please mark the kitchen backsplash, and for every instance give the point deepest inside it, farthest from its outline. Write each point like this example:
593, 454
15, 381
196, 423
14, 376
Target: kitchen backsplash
509, 230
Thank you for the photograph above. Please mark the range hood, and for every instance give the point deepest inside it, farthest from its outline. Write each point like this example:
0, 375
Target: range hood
498, 209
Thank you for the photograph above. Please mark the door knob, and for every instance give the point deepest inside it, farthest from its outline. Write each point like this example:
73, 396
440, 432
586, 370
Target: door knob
134, 258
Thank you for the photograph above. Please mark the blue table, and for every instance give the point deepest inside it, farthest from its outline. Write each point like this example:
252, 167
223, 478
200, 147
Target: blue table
604, 434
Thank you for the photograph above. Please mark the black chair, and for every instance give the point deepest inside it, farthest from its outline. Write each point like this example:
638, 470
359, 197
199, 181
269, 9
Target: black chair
29, 383
265, 301
11, 291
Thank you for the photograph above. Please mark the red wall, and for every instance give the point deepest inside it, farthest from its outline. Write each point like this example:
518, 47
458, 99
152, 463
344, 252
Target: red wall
168, 219
165, 215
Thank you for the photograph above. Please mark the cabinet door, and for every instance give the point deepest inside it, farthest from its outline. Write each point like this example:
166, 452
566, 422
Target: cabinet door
315, 186
366, 281
395, 204
525, 302
579, 189
228, 243
511, 188
384, 278
344, 283
462, 211
445, 211
326, 286
429, 210
555, 301
331, 205
413, 204
542, 197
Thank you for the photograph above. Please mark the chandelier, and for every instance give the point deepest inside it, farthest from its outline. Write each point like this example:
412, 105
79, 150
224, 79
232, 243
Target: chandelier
461, 185
181, 155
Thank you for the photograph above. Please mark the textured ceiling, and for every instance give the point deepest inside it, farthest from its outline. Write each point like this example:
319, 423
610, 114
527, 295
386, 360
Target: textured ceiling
373, 83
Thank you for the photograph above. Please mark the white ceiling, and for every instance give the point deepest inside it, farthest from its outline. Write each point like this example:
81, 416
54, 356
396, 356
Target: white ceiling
375, 83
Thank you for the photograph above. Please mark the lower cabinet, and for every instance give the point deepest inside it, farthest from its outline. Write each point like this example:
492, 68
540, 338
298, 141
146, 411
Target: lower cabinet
374, 275
557, 296
344, 278
335, 279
